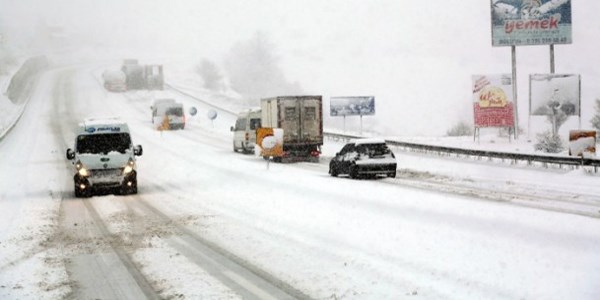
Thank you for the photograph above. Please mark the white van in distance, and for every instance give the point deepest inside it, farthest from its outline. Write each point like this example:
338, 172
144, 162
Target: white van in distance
104, 157
168, 114
244, 132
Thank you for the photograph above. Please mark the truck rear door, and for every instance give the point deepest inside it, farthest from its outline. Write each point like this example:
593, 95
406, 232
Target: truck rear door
311, 118
290, 119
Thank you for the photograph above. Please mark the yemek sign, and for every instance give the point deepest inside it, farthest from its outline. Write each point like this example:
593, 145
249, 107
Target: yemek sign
531, 22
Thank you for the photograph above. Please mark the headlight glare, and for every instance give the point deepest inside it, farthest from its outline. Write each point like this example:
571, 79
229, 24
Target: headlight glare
83, 171
129, 167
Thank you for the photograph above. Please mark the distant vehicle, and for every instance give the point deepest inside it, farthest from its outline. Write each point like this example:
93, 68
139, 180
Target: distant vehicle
161, 101
168, 114
104, 157
154, 77
364, 157
244, 131
134, 74
114, 80
142, 76
301, 118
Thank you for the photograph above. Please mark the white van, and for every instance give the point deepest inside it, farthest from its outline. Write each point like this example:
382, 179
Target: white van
168, 114
244, 131
104, 157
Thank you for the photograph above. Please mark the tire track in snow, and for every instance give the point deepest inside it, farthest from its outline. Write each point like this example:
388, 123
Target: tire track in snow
238, 274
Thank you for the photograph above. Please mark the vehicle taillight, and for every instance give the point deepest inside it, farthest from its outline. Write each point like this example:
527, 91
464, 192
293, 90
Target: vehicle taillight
315, 153
247, 136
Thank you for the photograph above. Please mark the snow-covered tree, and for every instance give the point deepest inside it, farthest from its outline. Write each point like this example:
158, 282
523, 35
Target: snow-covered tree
596, 119
212, 77
549, 142
253, 69
460, 129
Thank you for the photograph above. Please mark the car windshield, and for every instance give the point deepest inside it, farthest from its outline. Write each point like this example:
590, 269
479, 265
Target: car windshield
103, 143
373, 149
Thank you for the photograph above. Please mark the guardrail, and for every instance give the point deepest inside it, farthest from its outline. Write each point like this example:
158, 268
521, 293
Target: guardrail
512, 157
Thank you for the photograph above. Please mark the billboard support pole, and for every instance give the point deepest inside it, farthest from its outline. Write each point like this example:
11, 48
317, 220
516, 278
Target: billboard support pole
551, 58
529, 114
361, 124
514, 82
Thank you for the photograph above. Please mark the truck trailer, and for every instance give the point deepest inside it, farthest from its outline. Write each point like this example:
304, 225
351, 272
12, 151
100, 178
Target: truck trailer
301, 119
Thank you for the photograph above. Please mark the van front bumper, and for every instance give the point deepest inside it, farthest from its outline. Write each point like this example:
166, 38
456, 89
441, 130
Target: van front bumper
98, 179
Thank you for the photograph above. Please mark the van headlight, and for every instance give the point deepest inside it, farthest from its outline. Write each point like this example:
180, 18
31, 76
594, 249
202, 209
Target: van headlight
81, 169
129, 167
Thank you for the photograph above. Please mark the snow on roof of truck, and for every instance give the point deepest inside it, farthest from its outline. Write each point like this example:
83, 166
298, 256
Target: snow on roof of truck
367, 141
103, 125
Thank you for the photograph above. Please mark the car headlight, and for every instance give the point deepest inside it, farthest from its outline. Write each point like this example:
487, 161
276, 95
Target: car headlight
129, 167
81, 169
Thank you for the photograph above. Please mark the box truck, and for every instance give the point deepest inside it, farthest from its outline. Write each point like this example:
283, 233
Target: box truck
301, 119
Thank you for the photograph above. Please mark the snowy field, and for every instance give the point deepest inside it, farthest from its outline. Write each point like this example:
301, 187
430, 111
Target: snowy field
446, 228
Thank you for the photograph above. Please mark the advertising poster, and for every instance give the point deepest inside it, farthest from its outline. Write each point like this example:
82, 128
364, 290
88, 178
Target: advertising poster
531, 22
352, 106
551, 94
582, 143
492, 101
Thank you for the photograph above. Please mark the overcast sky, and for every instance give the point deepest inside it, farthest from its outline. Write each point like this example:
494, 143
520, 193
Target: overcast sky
415, 57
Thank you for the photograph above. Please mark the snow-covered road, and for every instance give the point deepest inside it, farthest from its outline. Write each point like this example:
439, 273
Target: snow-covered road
209, 223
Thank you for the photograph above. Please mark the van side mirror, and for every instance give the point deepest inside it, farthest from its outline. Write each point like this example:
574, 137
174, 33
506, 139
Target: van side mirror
231, 128
138, 150
70, 154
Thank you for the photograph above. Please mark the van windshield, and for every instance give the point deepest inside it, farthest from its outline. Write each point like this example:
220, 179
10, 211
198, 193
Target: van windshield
103, 143
174, 111
254, 124
240, 124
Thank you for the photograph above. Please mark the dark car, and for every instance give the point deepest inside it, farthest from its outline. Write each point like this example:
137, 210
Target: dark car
364, 158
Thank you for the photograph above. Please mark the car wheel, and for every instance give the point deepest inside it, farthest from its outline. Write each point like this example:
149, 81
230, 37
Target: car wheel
354, 172
333, 171
392, 174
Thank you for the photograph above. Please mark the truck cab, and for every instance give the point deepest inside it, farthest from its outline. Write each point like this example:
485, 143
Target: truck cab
244, 131
104, 157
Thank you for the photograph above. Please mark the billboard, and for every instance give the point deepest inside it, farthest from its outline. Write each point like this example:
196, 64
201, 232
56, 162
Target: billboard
582, 143
531, 22
549, 93
492, 101
352, 106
